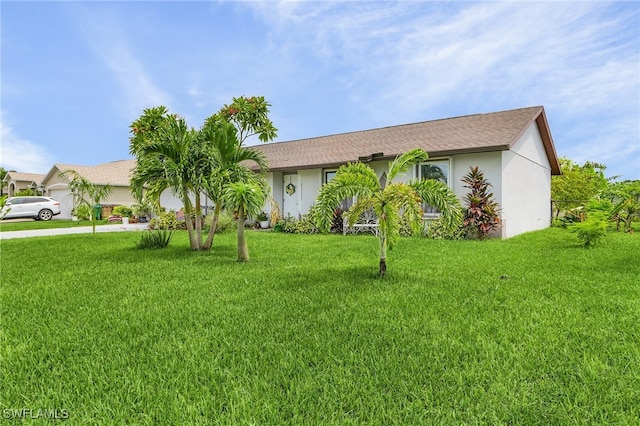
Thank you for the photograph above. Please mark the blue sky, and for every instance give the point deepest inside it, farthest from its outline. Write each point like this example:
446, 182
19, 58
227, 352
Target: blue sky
76, 74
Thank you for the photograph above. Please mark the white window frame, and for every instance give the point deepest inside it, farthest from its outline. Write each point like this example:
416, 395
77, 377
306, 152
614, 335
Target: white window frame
428, 210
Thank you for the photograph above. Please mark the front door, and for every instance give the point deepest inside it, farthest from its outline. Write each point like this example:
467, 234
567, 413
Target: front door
291, 193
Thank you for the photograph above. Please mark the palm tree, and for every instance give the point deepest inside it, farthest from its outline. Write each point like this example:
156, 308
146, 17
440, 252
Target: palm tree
169, 157
390, 202
246, 198
86, 193
228, 156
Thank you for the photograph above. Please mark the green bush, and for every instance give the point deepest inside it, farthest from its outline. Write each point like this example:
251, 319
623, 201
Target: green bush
155, 238
82, 212
594, 228
294, 226
123, 211
226, 222
438, 231
165, 220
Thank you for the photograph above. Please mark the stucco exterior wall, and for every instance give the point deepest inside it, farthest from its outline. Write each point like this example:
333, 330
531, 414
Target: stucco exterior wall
310, 184
527, 184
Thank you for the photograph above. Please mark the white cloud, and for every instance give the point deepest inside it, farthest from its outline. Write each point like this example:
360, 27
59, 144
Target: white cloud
108, 40
20, 154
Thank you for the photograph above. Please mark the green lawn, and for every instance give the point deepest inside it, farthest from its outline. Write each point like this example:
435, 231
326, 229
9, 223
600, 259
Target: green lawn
533, 330
26, 224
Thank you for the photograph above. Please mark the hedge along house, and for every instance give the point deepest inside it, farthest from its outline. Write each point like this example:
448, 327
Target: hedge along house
513, 148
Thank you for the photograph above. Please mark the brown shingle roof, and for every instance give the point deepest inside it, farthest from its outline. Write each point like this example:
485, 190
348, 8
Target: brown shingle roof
495, 131
115, 173
25, 177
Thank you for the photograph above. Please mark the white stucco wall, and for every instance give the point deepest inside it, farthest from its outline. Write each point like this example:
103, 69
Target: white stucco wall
310, 183
527, 185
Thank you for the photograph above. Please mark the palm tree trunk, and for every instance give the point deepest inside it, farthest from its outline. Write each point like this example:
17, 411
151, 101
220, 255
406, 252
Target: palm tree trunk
214, 225
383, 254
243, 250
198, 224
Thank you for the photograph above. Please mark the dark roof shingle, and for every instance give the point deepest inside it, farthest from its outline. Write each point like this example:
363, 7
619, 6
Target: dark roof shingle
473, 133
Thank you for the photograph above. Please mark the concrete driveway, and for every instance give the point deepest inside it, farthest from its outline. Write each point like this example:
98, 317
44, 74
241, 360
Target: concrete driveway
6, 235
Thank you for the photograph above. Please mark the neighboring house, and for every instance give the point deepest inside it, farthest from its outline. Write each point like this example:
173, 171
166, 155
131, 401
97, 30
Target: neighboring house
15, 182
115, 173
513, 148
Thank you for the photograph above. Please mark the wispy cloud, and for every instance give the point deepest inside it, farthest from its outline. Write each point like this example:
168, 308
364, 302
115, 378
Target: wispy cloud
404, 61
20, 154
107, 38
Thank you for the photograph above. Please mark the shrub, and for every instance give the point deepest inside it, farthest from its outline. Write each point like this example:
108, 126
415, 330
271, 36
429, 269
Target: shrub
165, 220
226, 222
438, 231
294, 226
155, 238
481, 215
123, 211
82, 212
594, 228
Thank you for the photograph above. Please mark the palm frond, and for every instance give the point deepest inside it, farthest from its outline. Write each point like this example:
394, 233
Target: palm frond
440, 196
403, 163
353, 179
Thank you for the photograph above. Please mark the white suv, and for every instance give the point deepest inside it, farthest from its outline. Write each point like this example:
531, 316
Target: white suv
39, 208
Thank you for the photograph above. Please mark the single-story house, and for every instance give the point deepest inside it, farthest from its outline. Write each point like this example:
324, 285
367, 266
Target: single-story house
513, 148
115, 173
15, 182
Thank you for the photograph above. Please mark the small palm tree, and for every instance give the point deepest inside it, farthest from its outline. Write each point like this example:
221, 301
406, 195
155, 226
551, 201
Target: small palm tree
247, 198
86, 193
390, 202
229, 158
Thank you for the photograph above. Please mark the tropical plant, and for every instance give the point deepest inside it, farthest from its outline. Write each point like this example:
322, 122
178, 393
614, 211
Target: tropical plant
246, 198
224, 135
594, 227
169, 157
626, 198
155, 238
390, 202
192, 162
230, 161
82, 212
86, 193
3, 203
482, 212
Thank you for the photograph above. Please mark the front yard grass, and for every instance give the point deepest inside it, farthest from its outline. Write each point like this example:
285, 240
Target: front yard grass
28, 224
533, 330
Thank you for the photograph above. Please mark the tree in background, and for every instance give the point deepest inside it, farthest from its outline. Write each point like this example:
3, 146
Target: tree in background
391, 203
577, 184
85, 193
482, 213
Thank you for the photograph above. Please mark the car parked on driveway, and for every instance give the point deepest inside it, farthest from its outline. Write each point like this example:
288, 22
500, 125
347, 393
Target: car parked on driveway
39, 208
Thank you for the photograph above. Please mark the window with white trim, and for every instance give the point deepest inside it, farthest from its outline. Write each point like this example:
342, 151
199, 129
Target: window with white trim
328, 175
434, 169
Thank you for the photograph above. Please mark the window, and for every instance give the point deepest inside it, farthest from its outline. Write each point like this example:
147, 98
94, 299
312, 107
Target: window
435, 169
347, 202
328, 175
